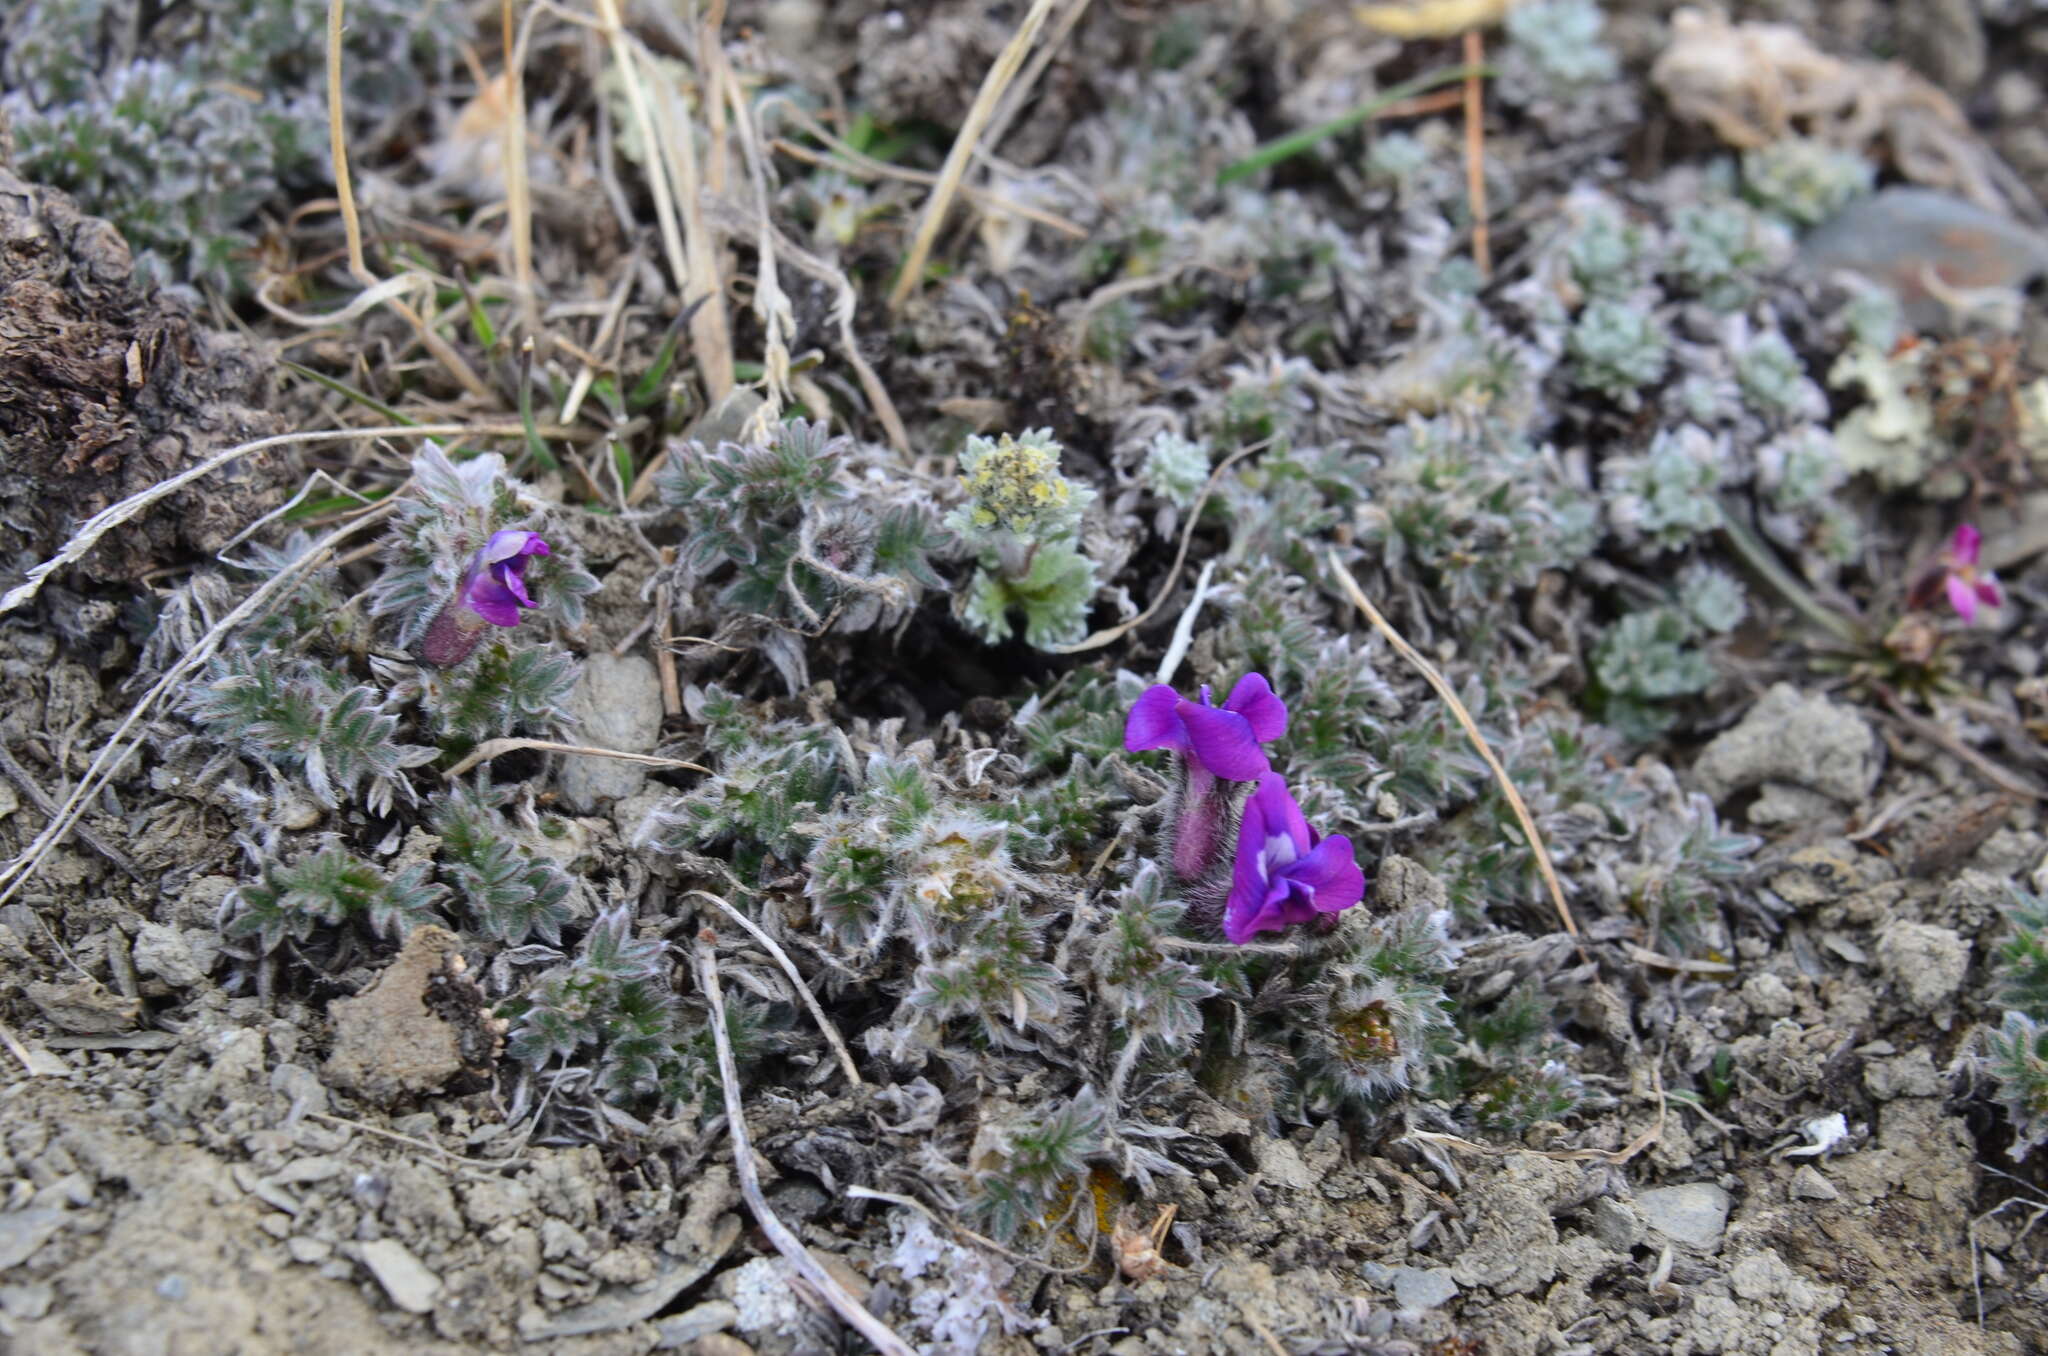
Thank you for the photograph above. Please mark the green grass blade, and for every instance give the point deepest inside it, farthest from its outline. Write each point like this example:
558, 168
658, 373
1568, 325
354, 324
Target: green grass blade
1273, 152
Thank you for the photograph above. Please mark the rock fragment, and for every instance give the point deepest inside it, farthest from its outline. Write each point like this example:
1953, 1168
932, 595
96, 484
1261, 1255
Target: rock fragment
1790, 736
22, 1232
419, 1024
85, 1007
617, 704
1694, 1214
404, 1277
1925, 965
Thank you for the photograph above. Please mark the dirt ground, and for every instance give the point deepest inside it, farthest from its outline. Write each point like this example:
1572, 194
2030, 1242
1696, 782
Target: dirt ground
1786, 1146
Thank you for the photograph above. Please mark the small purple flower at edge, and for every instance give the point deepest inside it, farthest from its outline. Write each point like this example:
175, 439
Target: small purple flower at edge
1223, 740
1284, 874
494, 585
492, 591
1965, 583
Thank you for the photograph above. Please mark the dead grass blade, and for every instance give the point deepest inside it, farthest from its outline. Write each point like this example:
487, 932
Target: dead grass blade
1110, 635
492, 748
1449, 696
788, 1244
1614, 1156
955, 169
352, 226
826, 1027
518, 202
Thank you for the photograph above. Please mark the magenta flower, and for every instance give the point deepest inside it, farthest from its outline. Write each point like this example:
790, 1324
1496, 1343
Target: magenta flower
1284, 874
1211, 743
1223, 740
492, 591
494, 585
1965, 584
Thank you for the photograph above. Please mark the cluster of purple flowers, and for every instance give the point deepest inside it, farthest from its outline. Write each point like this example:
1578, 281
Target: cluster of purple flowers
1284, 872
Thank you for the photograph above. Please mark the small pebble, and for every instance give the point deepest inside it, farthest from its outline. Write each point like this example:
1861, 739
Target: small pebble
310, 1251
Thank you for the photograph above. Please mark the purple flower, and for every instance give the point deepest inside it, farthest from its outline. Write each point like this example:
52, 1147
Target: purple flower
492, 591
1224, 740
494, 585
1283, 874
1965, 584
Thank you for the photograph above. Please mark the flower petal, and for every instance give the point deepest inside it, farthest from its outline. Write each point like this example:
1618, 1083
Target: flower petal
1961, 597
512, 542
1223, 742
1253, 698
491, 600
1248, 916
1331, 872
1989, 590
1249, 874
512, 574
1153, 722
1968, 542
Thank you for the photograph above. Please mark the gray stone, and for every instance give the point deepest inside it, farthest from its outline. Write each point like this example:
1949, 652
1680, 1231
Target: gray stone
1693, 1214
1809, 1185
29, 1300
411, 1286
1925, 965
1423, 1288
164, 952
1789, 736
1614, 1223
1778, 804
1910, 1075
83, 1006
1894, 238
617, 705
1281, 1163
679, 1330
22, 1232
309, 1251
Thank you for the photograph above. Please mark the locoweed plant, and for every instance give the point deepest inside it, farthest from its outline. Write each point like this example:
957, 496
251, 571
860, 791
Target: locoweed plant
331, 888
775, 530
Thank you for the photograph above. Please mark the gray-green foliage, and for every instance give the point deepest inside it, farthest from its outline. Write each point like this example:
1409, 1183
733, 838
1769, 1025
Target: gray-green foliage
1476, 511
1175, 468
1656, 655
1039, 1162
1719, 251
1383, 1019
177, 122
613, 1011
275, 693
1151, 992
1774, 380
510, 892
1665, 496
1609, 254
775, 529
300, 716
326, 889
2016, 1051
1804, 182
1511, 1065
1555, 44
1617, 349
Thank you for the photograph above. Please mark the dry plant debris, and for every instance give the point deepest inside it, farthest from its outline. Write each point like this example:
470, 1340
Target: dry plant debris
946, 677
